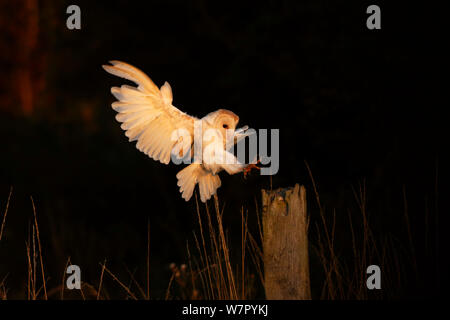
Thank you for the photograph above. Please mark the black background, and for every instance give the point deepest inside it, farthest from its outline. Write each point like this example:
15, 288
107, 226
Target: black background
356, 104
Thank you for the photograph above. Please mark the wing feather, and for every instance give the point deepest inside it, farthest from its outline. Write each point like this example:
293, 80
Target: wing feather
146, 112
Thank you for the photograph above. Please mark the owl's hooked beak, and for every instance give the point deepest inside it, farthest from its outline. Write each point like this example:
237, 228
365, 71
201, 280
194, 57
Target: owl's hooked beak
241, 133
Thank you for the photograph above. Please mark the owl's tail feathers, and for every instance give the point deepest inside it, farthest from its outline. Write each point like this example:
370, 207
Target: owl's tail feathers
193, 174
208, 184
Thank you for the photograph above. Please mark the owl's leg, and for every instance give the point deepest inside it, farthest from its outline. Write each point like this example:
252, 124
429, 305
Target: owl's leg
249, 168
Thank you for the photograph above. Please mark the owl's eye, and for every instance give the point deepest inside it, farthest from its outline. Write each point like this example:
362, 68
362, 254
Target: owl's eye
225, 126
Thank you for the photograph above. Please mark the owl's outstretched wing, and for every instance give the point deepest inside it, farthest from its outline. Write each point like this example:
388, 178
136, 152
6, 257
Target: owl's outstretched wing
147, 114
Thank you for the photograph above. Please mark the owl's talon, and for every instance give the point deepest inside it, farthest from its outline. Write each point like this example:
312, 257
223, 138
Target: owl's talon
249, 168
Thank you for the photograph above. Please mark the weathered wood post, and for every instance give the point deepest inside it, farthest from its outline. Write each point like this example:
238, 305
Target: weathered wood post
285, 244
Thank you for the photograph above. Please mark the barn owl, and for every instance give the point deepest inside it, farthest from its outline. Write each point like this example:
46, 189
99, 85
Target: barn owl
148, 117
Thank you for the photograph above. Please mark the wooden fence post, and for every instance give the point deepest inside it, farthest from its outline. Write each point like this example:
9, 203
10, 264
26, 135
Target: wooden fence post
285, 244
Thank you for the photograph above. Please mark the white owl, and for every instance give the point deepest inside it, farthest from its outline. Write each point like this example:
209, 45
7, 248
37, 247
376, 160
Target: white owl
148, 117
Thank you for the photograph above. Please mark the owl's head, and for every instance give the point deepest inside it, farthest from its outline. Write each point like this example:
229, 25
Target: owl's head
223, 120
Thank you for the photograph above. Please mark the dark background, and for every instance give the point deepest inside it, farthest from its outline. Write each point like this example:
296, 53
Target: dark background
356, 104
